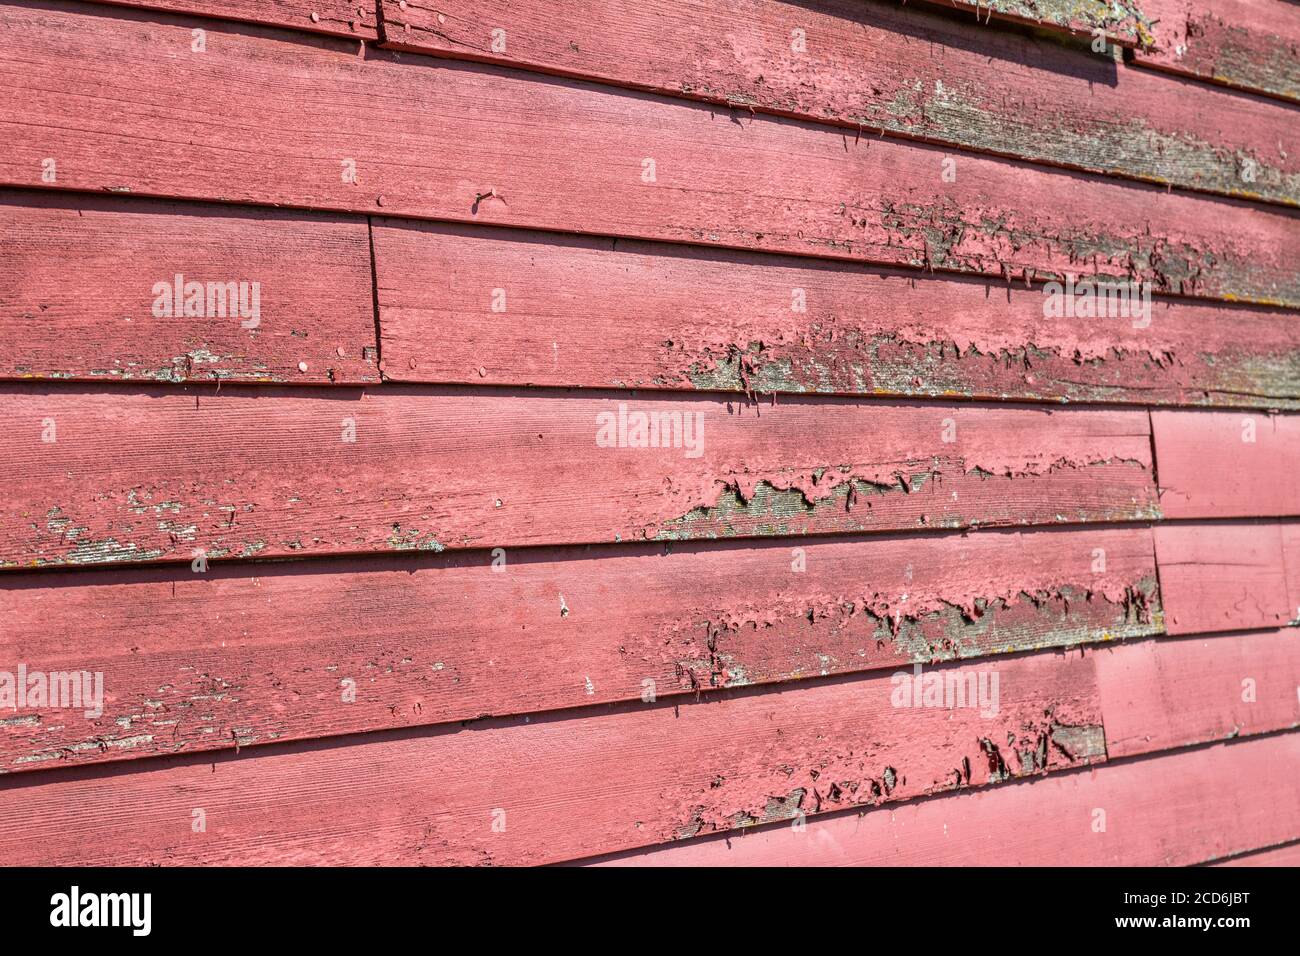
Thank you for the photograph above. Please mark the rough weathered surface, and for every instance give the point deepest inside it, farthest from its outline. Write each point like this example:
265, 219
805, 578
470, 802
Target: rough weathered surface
468, 304
78, 297
253, 654
1227, 465
558, 789
1125, 21
349, 18
1250, 44
1158, 695
512, 149
883, 67
1226, 577
155, 475
568, 241
1172, 810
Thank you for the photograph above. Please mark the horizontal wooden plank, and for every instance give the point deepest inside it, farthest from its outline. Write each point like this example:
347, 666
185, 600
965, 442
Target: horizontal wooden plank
349, 18
469, 304
1174, 809
89, 289
1227, 577
156, 475
1288, 855
250, 654
1249, 44
882, 66
1227, 465
1158, 695
1124, 21
541, 791
468, 142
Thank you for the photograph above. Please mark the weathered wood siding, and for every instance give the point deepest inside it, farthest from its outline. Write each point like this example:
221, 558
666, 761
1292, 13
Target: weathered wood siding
529, 433
874, 66
1252, 45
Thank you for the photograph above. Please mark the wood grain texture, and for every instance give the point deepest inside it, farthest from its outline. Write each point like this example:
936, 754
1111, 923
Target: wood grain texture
1226, 577
348, 18
564, 788
476, 305
1227, 465
1158, 695
1173, 809
156, 475
443, 140
1124, 21
78, 297
251, 654
881, 66
1249, 44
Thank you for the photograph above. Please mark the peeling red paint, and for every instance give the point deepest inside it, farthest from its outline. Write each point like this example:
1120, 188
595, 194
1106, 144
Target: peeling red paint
875, 66
789, 186
470, 613
1249, 44
641, 776
161, 475
1053, 821
1125, 21
589, 312
265, 648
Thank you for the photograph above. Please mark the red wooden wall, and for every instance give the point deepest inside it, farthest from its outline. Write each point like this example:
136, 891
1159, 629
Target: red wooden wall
377, 565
